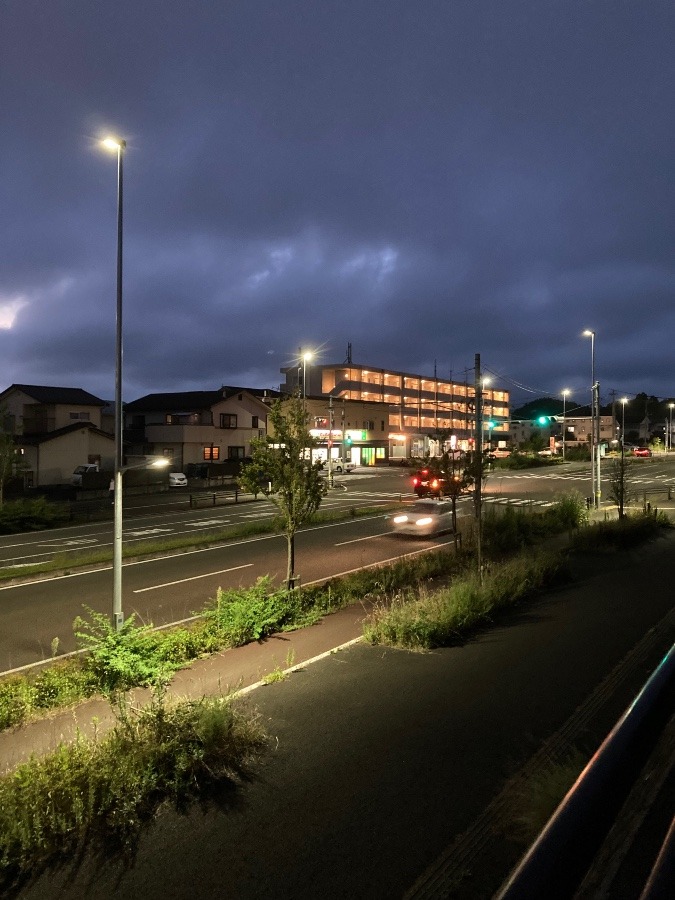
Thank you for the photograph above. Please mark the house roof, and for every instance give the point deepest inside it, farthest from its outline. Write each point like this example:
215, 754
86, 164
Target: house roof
191, 401
57, 395
183, 401
42, 437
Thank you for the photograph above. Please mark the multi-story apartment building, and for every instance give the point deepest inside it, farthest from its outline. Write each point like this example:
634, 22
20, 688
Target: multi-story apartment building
414, 407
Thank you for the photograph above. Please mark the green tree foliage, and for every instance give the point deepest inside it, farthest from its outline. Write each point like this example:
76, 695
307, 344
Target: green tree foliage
621, 486
281, 464
7, 454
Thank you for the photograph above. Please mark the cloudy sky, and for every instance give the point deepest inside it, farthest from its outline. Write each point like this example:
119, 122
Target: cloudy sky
423, 179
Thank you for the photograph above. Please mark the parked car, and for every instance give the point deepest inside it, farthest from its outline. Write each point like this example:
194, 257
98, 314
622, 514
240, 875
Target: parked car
426, 484
339, 465
79, 471
642, 451
423, 518
177, 479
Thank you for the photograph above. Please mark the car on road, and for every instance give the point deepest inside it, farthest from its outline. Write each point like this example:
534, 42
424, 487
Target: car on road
423, 518
426, 484
177, 479
642, 451
339, 465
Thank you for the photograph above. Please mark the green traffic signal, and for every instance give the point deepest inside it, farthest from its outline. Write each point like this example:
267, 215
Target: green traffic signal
543, 420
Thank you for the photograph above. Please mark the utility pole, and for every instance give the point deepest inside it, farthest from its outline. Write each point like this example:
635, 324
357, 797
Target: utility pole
330, 440
478, 468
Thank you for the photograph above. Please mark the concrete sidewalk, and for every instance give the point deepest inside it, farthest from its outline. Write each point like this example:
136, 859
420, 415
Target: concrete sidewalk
236, 669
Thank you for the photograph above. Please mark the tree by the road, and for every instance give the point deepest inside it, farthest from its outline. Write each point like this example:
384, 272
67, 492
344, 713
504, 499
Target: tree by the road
621, 486
7, 455
281, 466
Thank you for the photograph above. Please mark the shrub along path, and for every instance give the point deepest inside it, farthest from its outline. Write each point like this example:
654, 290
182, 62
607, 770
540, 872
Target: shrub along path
237, 668
384, 756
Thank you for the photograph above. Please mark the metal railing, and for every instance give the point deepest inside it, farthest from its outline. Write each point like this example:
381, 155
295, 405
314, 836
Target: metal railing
556, 863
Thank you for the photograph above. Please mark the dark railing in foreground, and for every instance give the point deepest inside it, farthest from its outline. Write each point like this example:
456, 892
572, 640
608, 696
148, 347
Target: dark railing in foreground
556, 863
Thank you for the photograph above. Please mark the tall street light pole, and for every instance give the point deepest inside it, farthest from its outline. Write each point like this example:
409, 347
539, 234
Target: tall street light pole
595, 487
624, 400
565, 392
306, 357
119, 146
670, 426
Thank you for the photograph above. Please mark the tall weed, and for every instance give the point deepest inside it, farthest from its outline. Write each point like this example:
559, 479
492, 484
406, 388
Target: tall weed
102, 792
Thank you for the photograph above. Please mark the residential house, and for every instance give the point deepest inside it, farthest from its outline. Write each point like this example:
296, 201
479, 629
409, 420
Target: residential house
55, 429
196, 427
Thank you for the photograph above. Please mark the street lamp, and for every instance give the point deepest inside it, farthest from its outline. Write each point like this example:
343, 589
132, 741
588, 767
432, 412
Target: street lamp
670, 426
118, 146
624, 400
306, 357
565, 392
595, 425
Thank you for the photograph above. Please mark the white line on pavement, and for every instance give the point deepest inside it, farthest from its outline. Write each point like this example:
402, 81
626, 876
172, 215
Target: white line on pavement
156, 587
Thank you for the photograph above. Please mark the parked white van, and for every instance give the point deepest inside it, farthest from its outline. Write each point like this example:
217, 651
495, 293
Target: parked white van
76, 477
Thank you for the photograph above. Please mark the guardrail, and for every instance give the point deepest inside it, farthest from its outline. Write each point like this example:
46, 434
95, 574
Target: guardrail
214, 497
558, 860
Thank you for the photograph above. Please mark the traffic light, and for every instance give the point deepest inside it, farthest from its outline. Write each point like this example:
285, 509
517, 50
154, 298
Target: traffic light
543, 420
348, 441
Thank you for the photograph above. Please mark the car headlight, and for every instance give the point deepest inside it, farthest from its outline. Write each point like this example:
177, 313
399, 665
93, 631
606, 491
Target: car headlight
427, 520
399, 520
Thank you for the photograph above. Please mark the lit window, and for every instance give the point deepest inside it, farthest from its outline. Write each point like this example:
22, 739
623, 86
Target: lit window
211, 453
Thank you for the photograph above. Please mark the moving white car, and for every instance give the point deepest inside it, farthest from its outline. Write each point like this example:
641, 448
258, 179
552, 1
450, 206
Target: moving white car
177, 479
423, 518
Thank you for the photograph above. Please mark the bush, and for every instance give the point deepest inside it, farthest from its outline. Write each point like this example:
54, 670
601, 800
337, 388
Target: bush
30, 515
620, 534
509, 529
424, 619
119, 660
104, 791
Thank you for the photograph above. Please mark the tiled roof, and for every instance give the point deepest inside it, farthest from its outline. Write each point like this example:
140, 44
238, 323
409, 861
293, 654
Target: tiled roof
57, 395
44, 436
184, 401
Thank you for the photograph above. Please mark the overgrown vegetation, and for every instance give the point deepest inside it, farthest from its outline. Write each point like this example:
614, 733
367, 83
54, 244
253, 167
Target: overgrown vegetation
533, 801
510, 529
423, 619
102, 792
620, 534
140, 656
30, 515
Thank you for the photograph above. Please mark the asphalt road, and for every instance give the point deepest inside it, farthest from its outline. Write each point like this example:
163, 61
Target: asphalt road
380, 758
174, 587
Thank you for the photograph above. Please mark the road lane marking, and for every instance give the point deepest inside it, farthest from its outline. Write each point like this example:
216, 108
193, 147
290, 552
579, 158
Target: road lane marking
67, 542
156, 587
356, 540
147, 531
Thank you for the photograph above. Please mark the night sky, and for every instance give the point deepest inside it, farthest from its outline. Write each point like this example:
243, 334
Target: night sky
423, 179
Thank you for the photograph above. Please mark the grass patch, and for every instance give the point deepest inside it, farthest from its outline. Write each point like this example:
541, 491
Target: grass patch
620, 534
534, 800
509, 529
102, 792
422, 619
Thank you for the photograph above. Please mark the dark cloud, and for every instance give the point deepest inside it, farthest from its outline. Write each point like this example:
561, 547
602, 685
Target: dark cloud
422, 180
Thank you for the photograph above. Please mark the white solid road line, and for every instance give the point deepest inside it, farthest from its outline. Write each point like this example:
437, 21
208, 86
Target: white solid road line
156, 587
